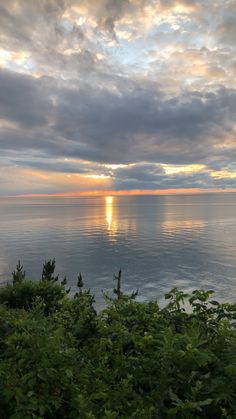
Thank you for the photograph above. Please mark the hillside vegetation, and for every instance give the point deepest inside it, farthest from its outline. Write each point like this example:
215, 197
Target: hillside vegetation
62, 359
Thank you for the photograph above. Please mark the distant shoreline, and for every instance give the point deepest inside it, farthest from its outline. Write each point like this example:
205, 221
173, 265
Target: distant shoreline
101, 194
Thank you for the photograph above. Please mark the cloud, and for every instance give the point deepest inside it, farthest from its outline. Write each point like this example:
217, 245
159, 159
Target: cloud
128, 82
141, 122
22, 100
122, 126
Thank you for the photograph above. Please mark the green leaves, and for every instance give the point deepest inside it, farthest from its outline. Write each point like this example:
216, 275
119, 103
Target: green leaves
48, 271
18, 275
62, 359
23, 295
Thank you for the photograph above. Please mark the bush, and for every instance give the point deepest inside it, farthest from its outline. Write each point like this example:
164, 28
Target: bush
61, 359
37, 373
23, 295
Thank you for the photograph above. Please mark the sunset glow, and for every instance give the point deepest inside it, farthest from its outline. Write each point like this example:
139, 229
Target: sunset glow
109, 97
133, 192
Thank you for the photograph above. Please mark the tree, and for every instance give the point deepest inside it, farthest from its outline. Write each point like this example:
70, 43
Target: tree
48, 271
18, 275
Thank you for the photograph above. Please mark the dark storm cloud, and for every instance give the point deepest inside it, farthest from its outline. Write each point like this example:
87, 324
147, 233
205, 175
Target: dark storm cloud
52, 166
141, 172
153, 176
202, 180
137, 122
141, 123
23, 99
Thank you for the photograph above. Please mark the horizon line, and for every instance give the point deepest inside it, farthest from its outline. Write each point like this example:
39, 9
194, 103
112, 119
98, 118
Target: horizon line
182, 191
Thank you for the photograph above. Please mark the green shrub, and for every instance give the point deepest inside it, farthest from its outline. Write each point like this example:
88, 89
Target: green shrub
23, 295
37, 373
62, 359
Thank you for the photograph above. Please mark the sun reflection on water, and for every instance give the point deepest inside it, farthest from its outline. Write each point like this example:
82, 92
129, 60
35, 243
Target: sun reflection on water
111, 223
109, 200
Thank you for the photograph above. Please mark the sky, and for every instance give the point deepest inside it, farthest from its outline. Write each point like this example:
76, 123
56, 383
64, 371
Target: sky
117, 96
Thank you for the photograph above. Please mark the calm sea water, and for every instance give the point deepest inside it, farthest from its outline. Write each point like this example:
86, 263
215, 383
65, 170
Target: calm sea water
158, 241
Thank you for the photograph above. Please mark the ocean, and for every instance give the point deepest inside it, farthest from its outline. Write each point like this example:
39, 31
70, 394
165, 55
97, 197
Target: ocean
159, 242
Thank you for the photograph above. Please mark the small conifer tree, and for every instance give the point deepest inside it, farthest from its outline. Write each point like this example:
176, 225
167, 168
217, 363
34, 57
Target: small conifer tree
18, 275
117, 289
64, 281
80, 283
48, 271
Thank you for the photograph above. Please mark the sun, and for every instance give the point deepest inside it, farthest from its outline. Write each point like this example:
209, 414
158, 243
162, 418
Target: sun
109, 200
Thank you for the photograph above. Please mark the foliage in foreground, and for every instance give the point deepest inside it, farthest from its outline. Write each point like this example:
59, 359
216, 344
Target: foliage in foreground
61, 359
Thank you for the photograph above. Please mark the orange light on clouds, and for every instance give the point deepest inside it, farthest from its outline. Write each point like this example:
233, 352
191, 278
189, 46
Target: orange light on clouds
173, 169
223, 174
190, 191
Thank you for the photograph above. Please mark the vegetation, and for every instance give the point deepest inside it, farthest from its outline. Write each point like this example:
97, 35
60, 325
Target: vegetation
62, 359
